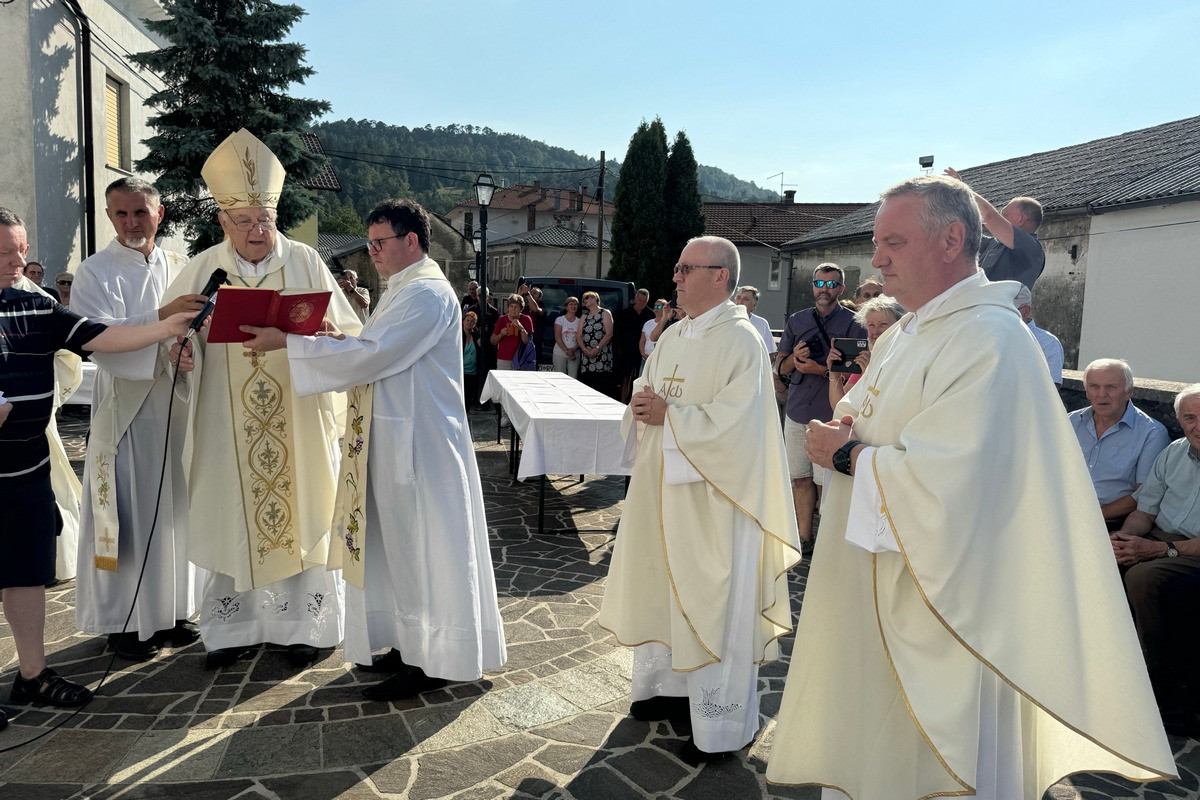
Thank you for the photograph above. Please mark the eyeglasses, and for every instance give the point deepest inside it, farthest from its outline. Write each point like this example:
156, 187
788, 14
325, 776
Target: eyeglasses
686, 269
247, 225
820, 283
377, 244
64, 283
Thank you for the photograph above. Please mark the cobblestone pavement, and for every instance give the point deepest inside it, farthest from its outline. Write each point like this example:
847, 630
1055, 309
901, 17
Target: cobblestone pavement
551, 724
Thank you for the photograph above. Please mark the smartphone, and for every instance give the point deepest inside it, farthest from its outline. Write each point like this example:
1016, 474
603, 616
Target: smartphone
849, 348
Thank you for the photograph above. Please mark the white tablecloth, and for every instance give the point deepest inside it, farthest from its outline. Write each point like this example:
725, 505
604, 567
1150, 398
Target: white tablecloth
566, 428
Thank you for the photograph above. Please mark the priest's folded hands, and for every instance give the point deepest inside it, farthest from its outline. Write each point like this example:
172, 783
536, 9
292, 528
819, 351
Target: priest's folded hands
822, 439
648, 407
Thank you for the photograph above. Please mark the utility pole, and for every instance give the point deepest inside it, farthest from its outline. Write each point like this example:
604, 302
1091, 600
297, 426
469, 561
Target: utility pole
600, 229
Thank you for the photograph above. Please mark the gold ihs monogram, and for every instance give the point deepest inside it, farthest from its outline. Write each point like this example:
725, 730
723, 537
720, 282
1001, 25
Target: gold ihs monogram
867, 409
672, 386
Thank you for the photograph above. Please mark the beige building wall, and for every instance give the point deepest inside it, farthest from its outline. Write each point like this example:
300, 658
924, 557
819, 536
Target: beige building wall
1142, 273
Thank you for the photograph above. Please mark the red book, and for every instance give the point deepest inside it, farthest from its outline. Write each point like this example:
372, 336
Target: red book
291, 310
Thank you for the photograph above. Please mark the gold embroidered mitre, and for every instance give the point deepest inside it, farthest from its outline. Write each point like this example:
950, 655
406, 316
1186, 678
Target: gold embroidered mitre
242, 172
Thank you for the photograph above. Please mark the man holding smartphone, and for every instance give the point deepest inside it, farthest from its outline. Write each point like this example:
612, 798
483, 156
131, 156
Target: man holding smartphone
800, 365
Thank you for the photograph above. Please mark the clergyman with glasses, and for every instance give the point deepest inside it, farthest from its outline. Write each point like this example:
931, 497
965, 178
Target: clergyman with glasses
800, 364
698, 582
263, 458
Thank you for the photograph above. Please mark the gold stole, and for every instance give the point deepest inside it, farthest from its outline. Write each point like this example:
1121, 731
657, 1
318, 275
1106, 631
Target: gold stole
350, 507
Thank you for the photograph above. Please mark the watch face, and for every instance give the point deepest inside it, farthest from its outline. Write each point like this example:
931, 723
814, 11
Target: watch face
1172, 551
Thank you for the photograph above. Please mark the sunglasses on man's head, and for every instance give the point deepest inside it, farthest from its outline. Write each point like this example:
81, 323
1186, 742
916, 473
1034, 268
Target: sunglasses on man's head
821, 283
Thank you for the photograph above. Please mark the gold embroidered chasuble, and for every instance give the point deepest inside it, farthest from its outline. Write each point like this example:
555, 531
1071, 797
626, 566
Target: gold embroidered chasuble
670, 575
262, 461
1005, 578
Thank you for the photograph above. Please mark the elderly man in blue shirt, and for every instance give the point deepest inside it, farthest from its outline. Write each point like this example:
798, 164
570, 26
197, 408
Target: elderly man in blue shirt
1158, 550
1119, 441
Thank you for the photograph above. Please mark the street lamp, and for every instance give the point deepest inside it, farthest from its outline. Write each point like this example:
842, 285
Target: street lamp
484, 189
477, 241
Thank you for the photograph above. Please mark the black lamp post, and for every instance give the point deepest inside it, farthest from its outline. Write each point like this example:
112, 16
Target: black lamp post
484, 189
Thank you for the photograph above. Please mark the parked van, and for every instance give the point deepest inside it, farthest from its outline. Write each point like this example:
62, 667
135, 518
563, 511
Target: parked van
614, 295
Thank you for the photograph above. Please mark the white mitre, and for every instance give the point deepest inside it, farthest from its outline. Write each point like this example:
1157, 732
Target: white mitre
242, 172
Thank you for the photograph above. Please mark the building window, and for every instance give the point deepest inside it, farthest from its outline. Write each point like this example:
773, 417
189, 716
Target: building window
468, 224
774, 279
116, 124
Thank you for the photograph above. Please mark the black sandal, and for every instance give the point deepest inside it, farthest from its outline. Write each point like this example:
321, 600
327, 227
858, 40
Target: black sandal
51, 689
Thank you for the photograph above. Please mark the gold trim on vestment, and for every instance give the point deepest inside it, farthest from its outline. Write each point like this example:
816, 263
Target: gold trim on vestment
662, 535
921, 591
799, 554
655, 641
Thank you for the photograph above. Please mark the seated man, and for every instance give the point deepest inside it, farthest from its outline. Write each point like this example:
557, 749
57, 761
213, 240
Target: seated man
1158, 548
1119, 441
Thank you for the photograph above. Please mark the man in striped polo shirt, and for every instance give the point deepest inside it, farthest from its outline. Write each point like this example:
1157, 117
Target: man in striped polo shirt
32, 328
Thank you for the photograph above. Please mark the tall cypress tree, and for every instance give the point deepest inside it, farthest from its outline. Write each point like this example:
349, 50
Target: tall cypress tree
227, 68
638, 243
684, 209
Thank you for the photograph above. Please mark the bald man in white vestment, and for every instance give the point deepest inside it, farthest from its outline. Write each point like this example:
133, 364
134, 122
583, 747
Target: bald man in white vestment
698, 582
964, 630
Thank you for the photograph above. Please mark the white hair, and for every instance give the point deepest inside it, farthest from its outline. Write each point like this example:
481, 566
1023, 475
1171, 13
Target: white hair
1188, 391
1111, 363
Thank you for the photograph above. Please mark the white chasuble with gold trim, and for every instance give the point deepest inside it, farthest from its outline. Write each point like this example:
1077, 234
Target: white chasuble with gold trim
996, 646
671, 569
262, 460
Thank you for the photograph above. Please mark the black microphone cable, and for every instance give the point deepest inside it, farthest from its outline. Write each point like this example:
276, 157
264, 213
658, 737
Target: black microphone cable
141, 573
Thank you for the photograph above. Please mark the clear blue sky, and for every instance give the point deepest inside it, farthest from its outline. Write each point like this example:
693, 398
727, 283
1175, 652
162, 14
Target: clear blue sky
842, 97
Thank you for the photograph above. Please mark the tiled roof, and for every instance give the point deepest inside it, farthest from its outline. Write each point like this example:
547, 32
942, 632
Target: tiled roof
551, 236
545, 198
770, 224
333, 245
1157, 162
326, 179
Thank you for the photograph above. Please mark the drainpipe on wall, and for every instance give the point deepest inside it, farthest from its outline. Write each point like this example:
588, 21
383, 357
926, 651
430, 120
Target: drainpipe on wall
86, 137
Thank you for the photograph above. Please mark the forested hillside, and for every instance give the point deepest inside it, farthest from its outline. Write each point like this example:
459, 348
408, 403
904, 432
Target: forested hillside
437, 166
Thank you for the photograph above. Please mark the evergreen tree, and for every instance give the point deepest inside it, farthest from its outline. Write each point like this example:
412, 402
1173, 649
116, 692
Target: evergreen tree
684, 210
638, 241
226, 68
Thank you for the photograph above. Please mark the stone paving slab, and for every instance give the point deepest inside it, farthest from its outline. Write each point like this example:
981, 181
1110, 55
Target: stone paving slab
551, 724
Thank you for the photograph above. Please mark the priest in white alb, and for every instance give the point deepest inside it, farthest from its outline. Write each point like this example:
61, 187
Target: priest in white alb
698, 582
410, 522
262, 460
964, 630
124, 284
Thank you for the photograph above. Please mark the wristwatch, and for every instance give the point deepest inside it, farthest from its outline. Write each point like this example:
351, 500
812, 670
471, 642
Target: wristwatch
1171, 550
841, 458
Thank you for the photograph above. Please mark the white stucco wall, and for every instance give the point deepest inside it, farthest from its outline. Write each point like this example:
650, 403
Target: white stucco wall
1142, 272
42, 162
756, 272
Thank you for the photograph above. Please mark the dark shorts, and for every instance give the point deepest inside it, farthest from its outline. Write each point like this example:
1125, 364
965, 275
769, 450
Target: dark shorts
28, 528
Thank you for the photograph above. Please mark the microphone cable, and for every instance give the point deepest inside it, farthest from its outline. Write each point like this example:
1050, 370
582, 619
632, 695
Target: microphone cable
138, 587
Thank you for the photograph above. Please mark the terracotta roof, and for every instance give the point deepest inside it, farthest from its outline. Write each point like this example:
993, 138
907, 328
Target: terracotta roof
552, 236
770, 224
520, 196
326, 179
1150, 163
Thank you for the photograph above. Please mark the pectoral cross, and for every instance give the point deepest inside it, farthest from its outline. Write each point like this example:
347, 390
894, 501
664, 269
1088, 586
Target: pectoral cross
669, 389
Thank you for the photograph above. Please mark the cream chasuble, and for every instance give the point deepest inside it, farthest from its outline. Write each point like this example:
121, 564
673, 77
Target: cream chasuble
1001, 626
262, 461
671, 568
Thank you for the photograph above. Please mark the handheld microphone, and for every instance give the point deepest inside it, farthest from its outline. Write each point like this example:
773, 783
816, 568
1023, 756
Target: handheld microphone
205, 311
215, 281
